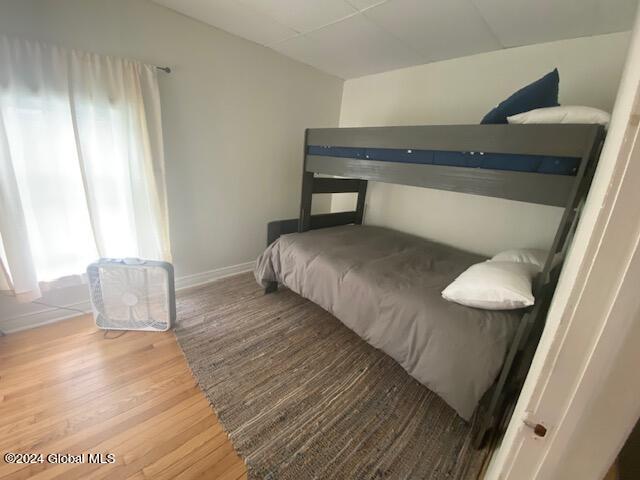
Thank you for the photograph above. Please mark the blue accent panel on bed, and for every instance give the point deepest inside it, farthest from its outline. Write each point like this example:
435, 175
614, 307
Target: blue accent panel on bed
344, 152
559, 165
491, 161
404, 156
518, 163
457, 159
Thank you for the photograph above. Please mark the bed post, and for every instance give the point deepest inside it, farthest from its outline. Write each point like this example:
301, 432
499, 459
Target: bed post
306, 221
523, 348
584, 176
307, 191
362, 195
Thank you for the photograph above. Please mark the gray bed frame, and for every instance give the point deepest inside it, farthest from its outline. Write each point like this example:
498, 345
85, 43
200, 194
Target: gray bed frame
569, 192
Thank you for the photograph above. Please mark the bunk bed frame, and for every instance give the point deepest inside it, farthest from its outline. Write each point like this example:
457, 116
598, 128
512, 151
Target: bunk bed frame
567, 191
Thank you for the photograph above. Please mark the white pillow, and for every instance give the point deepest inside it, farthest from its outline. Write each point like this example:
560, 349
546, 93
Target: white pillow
493, 286
534, 256
563, 114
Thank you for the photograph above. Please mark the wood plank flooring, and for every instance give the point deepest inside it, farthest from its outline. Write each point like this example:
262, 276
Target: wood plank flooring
66, 389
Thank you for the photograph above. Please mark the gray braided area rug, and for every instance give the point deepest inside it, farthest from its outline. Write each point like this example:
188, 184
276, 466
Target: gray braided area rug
302, 396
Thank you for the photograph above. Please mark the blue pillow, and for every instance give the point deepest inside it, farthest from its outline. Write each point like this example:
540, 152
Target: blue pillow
540, 94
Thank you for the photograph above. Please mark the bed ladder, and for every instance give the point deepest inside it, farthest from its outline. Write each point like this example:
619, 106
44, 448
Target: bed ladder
318, 185
493, 413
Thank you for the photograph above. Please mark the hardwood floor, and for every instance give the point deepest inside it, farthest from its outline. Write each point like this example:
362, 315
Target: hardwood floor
66, 389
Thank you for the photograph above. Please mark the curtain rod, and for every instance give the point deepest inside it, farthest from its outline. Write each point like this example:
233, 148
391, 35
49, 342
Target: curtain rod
164, 69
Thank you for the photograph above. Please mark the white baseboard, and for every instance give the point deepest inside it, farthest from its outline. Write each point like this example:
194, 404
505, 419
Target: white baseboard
45, 316
203, 278
48, 315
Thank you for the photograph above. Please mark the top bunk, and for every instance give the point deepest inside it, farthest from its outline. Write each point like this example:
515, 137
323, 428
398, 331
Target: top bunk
540, 163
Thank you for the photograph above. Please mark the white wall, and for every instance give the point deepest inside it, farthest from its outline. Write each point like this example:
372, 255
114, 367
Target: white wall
234, 115
461, 91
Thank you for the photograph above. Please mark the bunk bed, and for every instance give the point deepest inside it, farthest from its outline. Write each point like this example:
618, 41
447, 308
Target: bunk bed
548, 164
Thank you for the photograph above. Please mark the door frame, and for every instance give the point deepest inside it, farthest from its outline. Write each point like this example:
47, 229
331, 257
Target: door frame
594, 311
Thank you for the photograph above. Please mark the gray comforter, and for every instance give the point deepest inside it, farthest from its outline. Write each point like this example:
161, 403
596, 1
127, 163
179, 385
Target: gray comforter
385, 286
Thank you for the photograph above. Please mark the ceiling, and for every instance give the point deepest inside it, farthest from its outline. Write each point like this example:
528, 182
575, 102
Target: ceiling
351, 38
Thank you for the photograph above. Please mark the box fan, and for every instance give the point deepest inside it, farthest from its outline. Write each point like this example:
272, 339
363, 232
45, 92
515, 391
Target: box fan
132, 294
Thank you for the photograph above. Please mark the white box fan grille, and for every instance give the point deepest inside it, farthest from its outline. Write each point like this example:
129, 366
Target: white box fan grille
132, 294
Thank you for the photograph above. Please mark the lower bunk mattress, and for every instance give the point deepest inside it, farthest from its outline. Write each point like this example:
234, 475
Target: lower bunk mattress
386, 286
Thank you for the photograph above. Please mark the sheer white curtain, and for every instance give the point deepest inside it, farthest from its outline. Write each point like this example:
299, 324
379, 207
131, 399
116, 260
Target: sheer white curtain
81, 163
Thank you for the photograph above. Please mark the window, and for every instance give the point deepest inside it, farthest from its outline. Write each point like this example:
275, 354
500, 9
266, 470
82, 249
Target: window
81, 163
